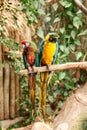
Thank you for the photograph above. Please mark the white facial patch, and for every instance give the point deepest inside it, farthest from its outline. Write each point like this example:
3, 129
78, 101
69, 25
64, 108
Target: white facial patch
27, 44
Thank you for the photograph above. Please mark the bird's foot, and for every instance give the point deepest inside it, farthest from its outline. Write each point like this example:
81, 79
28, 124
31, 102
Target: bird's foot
32, 68
28, 69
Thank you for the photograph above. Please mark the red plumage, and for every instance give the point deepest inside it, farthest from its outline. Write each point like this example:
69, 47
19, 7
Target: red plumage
23, 42
30, 60
30, 56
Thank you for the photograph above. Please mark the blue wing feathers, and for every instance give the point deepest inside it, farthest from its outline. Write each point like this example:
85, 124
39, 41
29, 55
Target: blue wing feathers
25, 62
56, 53
37, 59
41, 48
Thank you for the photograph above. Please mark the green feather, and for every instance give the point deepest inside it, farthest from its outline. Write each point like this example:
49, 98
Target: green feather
33, 44
37, 59
24, 60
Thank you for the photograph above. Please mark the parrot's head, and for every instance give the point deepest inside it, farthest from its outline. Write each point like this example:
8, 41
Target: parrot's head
51, 37
25, 44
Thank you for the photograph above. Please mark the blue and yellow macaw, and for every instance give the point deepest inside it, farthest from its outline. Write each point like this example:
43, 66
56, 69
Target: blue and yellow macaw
31, 58
48, 53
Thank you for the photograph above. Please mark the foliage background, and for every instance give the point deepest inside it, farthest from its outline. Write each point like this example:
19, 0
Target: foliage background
64, 18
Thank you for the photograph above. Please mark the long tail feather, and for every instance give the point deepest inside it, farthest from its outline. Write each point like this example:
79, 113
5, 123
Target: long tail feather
32, 84
44, 78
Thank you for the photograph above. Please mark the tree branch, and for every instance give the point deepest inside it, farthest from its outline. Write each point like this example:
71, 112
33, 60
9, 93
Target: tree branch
66, 66
81, 6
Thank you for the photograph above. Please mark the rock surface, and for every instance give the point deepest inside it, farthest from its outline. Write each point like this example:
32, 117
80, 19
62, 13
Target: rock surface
41, 126
74, 111
6, 123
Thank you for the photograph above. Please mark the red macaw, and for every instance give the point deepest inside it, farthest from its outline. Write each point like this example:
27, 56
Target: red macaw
30, 58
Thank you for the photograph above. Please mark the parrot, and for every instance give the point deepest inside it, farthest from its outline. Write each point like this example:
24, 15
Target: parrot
30, 58
48, 53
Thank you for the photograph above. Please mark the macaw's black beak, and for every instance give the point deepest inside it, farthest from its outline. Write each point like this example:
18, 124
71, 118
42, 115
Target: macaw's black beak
53, 39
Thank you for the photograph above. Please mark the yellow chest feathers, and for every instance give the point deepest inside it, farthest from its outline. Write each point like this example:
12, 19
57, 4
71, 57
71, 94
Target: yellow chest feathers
48, 52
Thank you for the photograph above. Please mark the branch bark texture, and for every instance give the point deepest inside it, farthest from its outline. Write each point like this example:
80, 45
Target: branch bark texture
81, 6
66, 66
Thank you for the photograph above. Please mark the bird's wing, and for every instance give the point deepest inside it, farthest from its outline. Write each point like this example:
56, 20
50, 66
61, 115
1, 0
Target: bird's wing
37, 59
41, 48
56, 53
24, 60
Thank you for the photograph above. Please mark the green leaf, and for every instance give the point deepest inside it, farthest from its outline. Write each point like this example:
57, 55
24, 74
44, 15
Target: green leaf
55, 94
77, 42
62, 30
48, 110
56, 20
69, 13
65, 3
78, 55
68, 5
70, 26
50, 98
42, 2
68, 86
72, 47
66, 51
60, 104
47, 19
77, 22
35, 4
73, 34
51, 28
41, 11
62, 75
62, 48
83, 33
66, 93
55, 6
40, 33
56, 113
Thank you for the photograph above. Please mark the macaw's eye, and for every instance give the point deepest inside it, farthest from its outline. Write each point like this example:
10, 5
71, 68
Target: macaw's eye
52, 39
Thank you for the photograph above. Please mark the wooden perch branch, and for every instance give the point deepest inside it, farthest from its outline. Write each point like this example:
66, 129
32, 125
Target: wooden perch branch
81, 6
66, 66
